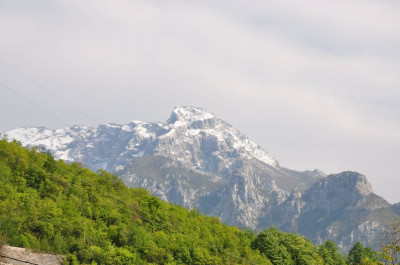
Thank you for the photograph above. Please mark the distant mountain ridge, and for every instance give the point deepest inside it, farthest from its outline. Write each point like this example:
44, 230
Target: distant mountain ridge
196, 160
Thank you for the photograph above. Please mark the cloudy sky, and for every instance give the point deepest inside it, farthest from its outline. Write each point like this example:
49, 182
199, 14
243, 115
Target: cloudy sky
315, 82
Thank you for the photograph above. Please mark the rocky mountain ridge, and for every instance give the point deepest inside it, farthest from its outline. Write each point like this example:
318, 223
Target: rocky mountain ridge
196, 160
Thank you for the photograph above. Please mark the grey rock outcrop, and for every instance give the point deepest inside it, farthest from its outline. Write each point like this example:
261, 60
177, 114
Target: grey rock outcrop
21, 256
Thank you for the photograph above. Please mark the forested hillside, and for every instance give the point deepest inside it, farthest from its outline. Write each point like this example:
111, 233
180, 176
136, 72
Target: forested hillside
93, 218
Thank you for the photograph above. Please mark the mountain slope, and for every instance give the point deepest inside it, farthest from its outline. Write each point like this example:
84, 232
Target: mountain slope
46, 205
92, 218
196, 160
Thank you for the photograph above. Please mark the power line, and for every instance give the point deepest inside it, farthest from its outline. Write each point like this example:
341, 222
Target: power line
32, 103
40, 108
48, 91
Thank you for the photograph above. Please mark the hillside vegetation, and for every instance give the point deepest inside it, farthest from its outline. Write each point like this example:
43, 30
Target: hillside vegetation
93, 218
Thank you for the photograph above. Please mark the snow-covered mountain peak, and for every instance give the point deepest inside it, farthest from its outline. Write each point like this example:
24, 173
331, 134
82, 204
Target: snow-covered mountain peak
193, 136
192, 117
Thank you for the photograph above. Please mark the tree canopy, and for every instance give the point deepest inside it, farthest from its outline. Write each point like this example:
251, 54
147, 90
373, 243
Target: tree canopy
93, 218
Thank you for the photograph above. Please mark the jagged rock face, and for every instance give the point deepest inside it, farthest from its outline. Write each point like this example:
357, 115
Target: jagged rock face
196, 160
340, 207
169, 180
333, 200
337, 192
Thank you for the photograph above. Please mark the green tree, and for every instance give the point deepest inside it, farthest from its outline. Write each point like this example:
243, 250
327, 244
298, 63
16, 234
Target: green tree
358, 252
268, 243
330, 254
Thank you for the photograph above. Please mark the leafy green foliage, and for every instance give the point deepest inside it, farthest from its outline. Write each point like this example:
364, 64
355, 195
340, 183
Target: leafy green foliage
286, 248
93, 218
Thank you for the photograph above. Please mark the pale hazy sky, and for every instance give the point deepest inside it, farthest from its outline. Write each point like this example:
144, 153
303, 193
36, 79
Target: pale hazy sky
316, 83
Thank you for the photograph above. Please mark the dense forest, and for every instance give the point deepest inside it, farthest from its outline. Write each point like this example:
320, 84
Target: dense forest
93, 218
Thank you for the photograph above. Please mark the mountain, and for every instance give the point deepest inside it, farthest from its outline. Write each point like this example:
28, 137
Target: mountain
50, 206
197, 160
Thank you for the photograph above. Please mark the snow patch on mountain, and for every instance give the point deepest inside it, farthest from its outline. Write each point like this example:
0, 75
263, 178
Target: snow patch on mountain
189, 130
